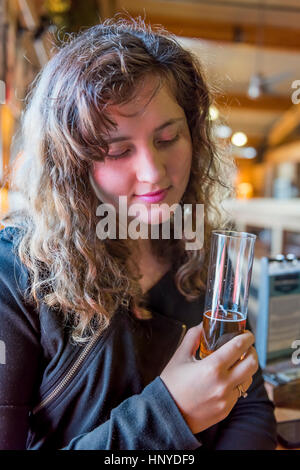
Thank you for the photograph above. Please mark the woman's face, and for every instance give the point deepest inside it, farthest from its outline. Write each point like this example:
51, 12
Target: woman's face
150, 150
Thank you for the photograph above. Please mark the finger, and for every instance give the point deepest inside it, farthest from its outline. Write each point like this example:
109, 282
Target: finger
233, 350
244, 386
191, 341
244, 369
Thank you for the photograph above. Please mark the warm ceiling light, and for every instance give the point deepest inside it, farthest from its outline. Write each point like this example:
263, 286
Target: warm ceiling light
244, 190
239, 139
58, 6
213, 113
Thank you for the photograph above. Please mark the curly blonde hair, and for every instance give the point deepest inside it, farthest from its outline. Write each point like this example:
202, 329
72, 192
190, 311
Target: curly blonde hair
71, 269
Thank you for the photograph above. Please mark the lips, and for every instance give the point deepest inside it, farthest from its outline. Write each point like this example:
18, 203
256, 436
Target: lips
155, 193
154, 197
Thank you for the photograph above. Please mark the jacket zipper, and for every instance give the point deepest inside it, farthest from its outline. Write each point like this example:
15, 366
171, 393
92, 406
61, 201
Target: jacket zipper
183, 326
69, 375
72, 371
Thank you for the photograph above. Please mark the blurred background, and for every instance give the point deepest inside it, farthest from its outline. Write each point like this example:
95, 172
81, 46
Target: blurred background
251, 53
250, 50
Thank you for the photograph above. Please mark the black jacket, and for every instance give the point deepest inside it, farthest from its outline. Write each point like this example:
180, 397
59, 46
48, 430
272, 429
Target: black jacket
108, 393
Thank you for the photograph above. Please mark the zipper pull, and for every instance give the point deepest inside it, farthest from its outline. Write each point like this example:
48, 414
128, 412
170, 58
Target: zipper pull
183, 332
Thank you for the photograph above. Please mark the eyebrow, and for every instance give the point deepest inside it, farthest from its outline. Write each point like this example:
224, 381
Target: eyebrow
159, 128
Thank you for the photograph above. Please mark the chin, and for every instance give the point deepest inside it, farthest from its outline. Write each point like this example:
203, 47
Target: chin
157, 216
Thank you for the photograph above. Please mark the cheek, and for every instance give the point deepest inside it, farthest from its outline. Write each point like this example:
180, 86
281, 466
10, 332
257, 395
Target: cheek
112, 180
180, 162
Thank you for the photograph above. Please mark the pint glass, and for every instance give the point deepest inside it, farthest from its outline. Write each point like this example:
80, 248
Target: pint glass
227, 291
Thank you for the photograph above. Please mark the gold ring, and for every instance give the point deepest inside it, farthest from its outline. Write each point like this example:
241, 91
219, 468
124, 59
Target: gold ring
242, 392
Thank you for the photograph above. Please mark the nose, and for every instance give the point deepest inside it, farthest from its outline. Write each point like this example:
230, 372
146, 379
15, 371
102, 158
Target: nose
150, 166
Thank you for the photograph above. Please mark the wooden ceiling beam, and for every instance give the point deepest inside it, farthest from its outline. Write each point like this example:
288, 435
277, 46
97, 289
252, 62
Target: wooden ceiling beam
284, 153
186, 19
254, 140
274, 37
284, 126
263, 103
106, 8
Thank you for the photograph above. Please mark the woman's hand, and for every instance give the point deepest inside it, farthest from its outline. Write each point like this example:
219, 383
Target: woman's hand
205, 391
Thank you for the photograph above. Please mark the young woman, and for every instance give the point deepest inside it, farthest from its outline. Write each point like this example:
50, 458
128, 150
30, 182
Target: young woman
101, 334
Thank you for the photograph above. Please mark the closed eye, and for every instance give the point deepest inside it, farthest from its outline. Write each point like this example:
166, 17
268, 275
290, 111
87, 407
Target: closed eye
120, 155
168, 142
161, 143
